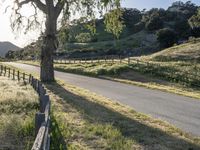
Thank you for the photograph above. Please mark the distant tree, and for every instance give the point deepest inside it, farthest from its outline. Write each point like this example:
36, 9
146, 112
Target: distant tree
131, 17
167, 37
154, 19
181, 10
138, 27
84, 38
113, 22
194, 23
182, 29
10, 55
63, 35
154, 23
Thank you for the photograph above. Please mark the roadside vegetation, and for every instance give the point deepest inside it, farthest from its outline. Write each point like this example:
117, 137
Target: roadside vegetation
18, 104
85, 120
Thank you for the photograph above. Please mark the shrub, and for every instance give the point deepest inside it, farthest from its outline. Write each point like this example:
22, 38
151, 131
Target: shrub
139, 27
154, 23
167, 37
84, 38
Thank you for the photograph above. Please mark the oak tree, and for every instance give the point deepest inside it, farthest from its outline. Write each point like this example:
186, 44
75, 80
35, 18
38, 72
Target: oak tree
54, 11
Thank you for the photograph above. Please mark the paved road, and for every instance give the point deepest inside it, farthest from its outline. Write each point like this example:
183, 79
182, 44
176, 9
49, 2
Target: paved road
180, 111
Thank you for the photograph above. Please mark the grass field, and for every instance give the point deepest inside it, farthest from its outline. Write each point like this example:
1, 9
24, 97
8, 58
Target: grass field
18, 104
85, 120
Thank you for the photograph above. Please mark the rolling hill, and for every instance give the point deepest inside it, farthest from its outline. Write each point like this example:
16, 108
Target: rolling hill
5, 47
189, 51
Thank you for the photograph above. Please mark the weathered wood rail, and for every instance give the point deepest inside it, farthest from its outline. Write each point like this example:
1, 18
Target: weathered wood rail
100, 59
42, 118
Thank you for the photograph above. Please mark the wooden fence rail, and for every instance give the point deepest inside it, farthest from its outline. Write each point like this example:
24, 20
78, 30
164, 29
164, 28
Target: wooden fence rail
188, 78
42, 118
102, 59
192, 78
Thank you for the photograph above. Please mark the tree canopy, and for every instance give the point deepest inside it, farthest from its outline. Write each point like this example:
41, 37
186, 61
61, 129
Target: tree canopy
52, 9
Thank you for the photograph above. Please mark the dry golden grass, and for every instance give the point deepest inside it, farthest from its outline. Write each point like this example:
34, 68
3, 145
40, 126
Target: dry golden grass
85, 120
18, 104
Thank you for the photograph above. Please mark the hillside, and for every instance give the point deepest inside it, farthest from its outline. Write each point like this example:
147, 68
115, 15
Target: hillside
144, 33
137, 44
189, 51
5, 47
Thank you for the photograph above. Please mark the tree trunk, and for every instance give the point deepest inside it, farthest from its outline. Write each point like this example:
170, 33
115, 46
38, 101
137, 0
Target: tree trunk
47, 69
48, 48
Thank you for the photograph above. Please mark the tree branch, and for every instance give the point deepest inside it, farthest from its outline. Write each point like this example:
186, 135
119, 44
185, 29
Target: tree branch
20, 4
59, 6
41, 6
38, 3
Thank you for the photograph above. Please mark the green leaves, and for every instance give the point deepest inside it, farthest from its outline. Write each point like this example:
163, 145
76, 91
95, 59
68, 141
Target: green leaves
194, 21
113, 22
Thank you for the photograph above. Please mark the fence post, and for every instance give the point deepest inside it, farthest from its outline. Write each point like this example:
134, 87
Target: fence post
5, 71
29, 80
1, 69
18, 75
129, 60
44, 100
9, 72
23, 76
39, 119
13, 74
42, 90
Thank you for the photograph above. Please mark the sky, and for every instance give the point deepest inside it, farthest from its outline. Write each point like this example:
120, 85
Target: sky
22, 40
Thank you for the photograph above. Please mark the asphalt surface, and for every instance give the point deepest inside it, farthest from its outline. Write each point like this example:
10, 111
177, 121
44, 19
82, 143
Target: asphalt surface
183, 112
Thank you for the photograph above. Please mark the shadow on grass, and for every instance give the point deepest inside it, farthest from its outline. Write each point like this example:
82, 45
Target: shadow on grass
148, 137
57, 139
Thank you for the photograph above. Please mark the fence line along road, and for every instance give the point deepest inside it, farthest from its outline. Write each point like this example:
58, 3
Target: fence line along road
42, 118
188, 78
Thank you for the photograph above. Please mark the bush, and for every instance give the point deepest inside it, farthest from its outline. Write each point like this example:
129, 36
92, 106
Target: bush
84, 38
138, 27
167, 37
154, 23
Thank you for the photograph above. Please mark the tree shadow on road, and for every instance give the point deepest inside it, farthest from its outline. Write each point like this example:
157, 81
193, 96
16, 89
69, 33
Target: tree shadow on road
143, 134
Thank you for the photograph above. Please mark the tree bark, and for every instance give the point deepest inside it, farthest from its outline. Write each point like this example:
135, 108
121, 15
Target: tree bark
47, 69
49, 47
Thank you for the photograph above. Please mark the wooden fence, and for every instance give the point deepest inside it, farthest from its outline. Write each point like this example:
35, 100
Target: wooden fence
102, 59
184, 77
188, 78
42, 118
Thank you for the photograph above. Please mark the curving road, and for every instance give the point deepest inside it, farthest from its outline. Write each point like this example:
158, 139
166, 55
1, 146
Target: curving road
183, 112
